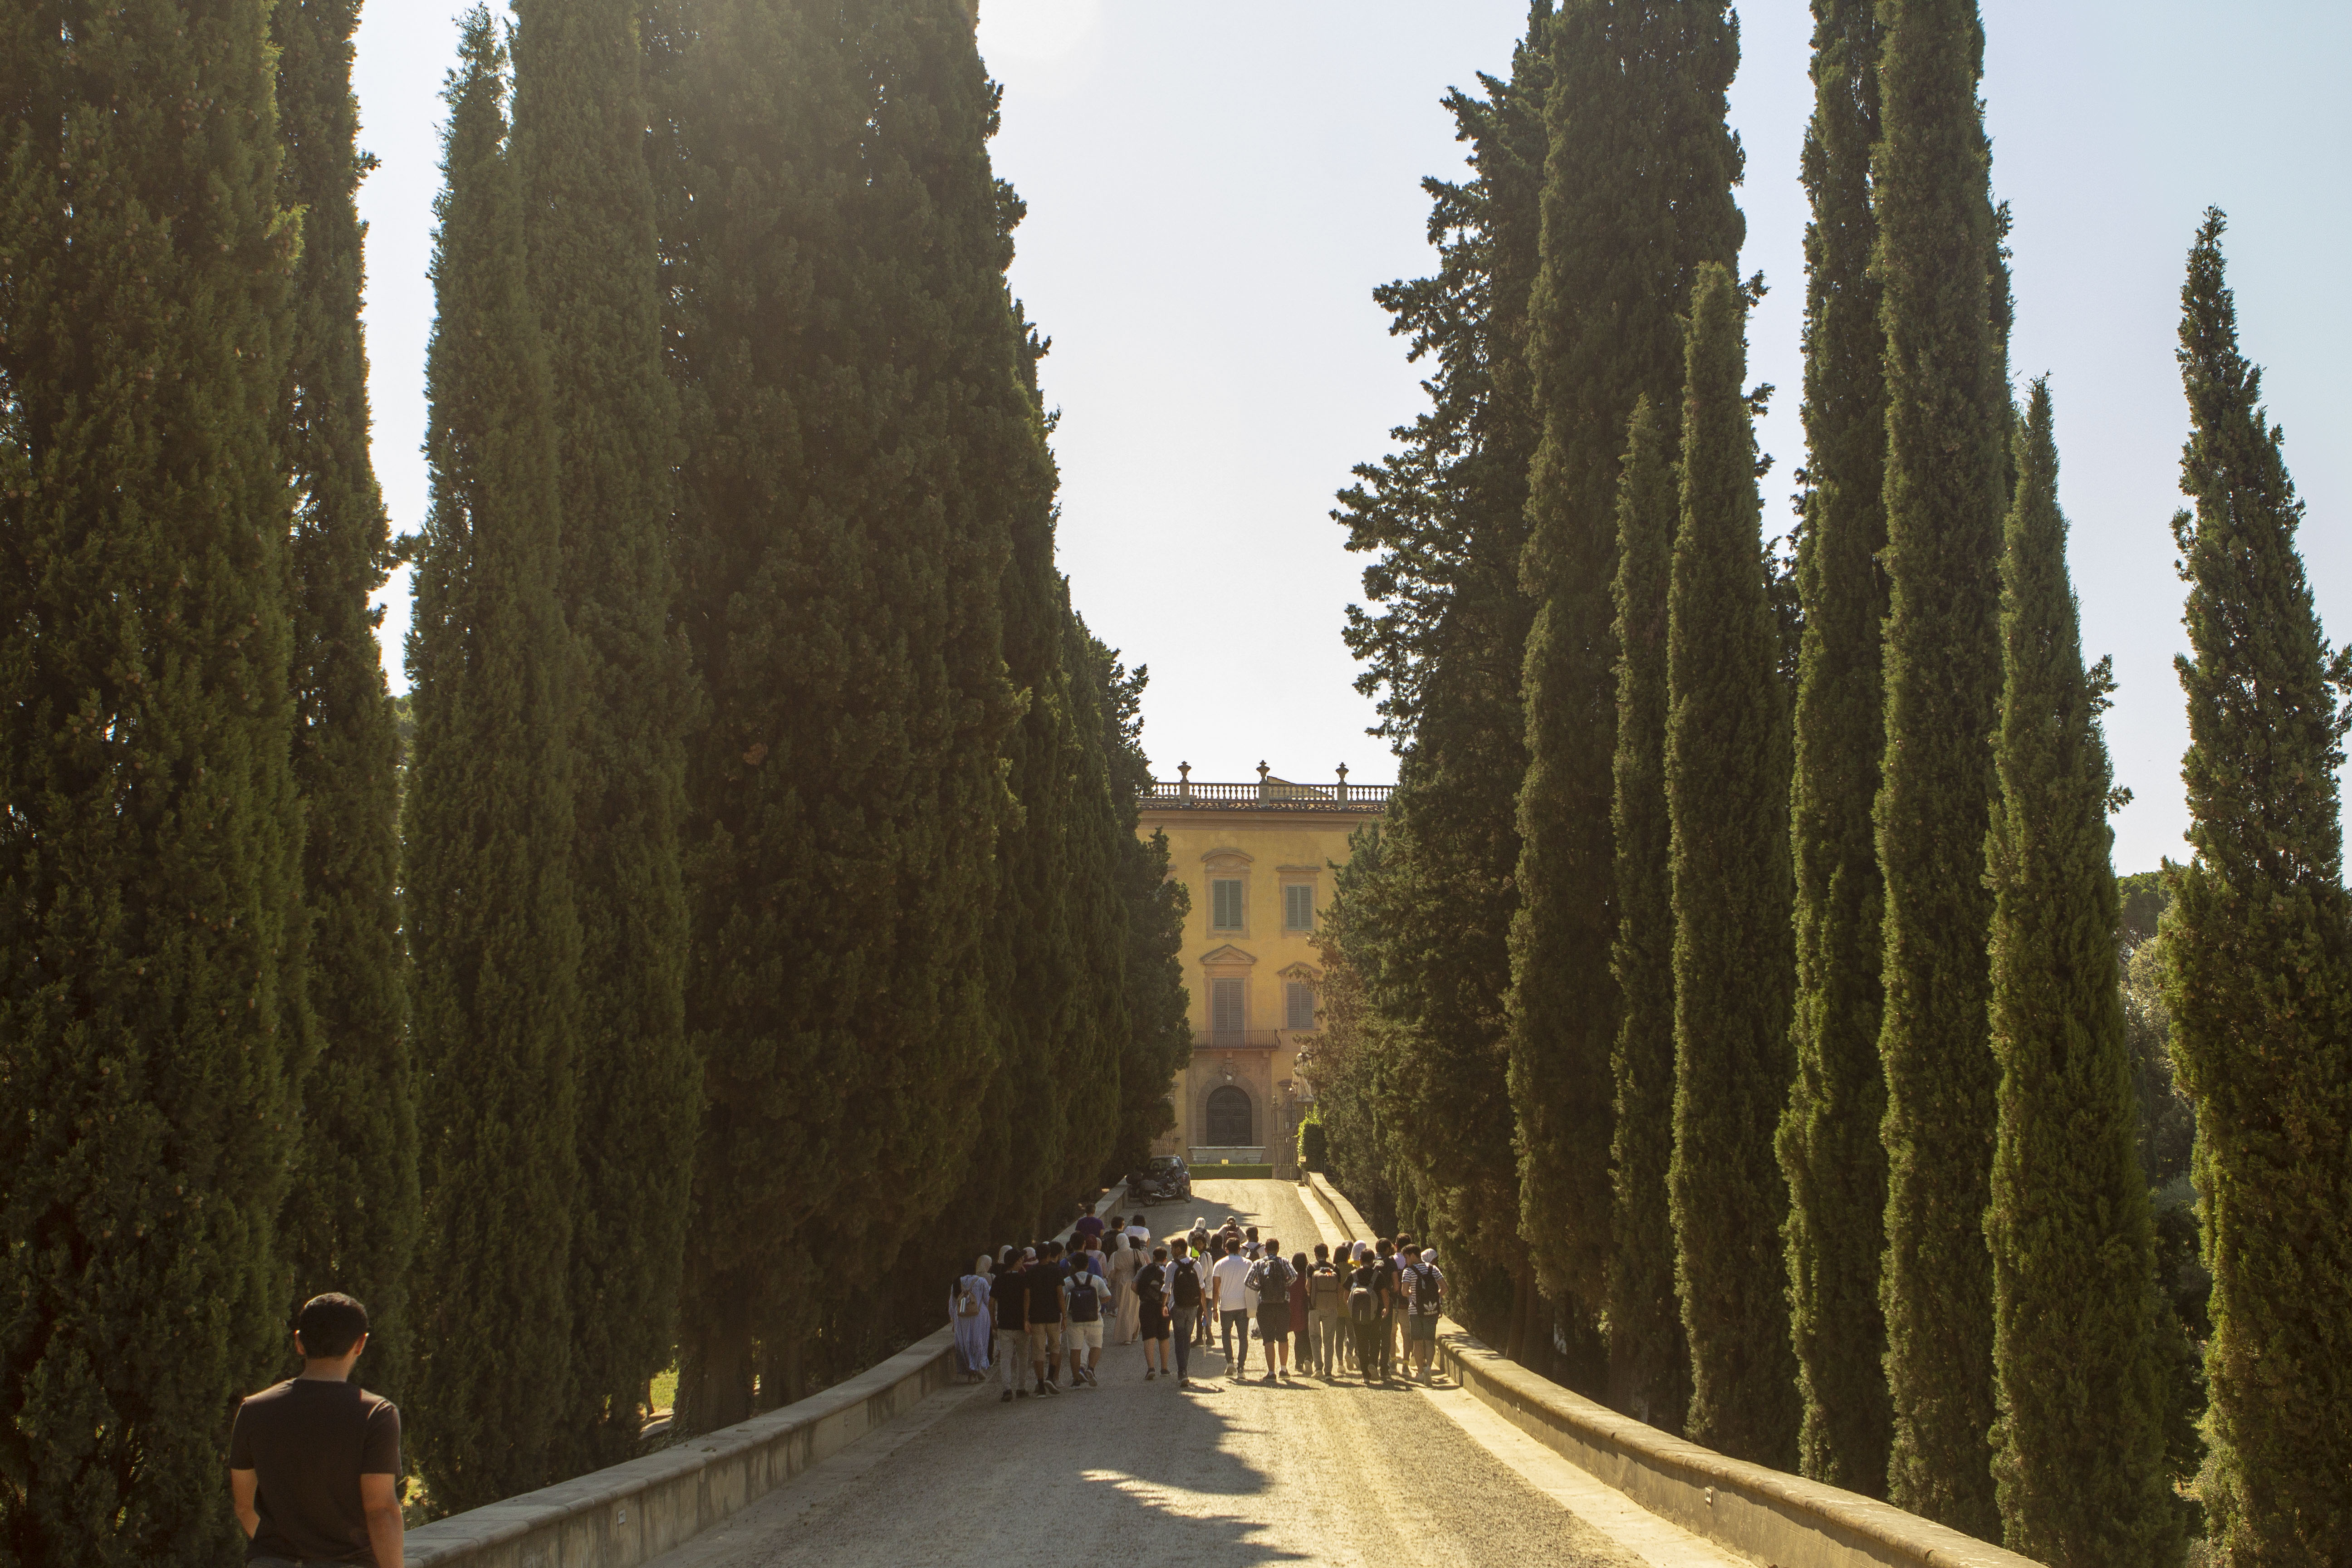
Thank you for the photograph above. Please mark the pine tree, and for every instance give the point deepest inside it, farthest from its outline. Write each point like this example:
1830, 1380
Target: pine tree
859, 435
1829, 1143
2078, 1453
1948, 418
1649, 1357
1727, 784
487, 831
2259, 988
352, 1210
151, 836
579, 134
1637, 194
1446, 518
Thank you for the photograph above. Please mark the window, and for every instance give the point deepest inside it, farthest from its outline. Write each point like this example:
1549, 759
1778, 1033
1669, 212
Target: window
1225, 904
1298, 1005
1228, 1116
1225, 1011
1298, 906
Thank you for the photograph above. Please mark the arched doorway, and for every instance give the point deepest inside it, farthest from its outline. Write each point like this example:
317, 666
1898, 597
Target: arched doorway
1229, 1118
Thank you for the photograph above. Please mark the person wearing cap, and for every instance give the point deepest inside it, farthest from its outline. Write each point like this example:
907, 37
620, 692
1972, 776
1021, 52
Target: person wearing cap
1424, 1294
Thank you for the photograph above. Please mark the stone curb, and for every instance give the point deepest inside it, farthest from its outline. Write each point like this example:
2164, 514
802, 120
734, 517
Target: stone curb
1774, 1518
632, 1512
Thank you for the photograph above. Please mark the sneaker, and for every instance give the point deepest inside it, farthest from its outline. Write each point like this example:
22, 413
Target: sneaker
1053, 1388
1147, 1375
1004, 1398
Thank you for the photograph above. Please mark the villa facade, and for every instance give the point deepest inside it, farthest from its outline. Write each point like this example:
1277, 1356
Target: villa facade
1257, 859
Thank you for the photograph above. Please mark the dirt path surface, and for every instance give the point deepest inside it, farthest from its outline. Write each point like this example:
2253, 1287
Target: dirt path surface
1217, 1477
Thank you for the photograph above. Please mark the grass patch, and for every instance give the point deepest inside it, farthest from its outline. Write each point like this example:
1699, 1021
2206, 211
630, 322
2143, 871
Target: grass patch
664, 1395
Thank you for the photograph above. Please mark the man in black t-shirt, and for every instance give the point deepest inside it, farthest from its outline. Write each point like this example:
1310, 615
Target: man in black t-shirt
1045, 1279
1008, 1298
314, 1462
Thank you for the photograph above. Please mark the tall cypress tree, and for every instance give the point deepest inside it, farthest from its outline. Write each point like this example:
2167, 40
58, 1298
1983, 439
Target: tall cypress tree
1727, 781
2259, 983
1648, 1355
860, 430
352, 1210
580, 122
150, 826
1445, 517
2078, 1454
1946, 424
1637, 194
487, 826
1829, 1142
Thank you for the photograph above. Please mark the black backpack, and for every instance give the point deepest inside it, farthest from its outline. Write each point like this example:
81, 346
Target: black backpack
1185, 1274
1272, 1279
1085, 1297
1360, 1305
1425, 1290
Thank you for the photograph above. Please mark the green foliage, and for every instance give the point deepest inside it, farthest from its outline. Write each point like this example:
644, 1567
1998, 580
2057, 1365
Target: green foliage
2259, 950
351, 1213
1445, 518
1726, 785
2078, 1447
861, 444
1346, 1064
579, 134
1649, 1359
1158, 1039
1829, 1139
1947, 419
1637, 194
489, 830
151, 1044
1313, 1143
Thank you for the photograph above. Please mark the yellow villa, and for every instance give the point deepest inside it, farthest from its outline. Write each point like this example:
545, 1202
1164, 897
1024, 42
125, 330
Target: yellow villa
1257, 859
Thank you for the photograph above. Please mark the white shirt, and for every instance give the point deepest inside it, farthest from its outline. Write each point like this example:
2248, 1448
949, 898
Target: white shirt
1230, 1282
1137, 1231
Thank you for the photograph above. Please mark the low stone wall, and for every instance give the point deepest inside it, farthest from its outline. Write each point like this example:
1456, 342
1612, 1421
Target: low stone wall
1773, 1518
631, 1513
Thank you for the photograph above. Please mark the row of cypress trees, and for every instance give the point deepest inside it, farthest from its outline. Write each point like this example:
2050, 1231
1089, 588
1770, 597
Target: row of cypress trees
761, 888
1810, 1032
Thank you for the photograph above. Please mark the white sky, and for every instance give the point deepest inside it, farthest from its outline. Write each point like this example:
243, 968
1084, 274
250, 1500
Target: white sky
1214, 189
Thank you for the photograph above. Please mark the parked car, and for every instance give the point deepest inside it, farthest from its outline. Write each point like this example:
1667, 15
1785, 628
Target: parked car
1164, 1179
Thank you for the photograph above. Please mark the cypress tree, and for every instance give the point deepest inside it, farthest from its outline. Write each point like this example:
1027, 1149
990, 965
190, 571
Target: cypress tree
1946, 422
1637, 193
1727, 782
859, 433
2260, 985
487, 826
1829, 1140
1649, 1358
352, 1210
1159, 1041
150, 836
2078, 1453
1446, 518
580, 122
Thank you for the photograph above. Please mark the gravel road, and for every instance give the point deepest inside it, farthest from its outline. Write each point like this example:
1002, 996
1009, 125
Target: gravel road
1220, 1477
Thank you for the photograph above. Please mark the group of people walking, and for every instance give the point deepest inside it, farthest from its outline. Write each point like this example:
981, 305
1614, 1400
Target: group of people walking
1029, 1313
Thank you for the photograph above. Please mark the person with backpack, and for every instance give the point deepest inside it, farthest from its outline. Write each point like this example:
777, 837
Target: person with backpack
968, 1315
1230, 1298
1083, 1297
1043, 1278
1326, 1308
1269, 1280
1424, 1301
1151, 1312
1008, 1304
1186, 1294
1367, 1310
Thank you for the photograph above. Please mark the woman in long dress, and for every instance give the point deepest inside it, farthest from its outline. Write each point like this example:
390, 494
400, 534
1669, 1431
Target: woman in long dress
974, 1324
1124, 1265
